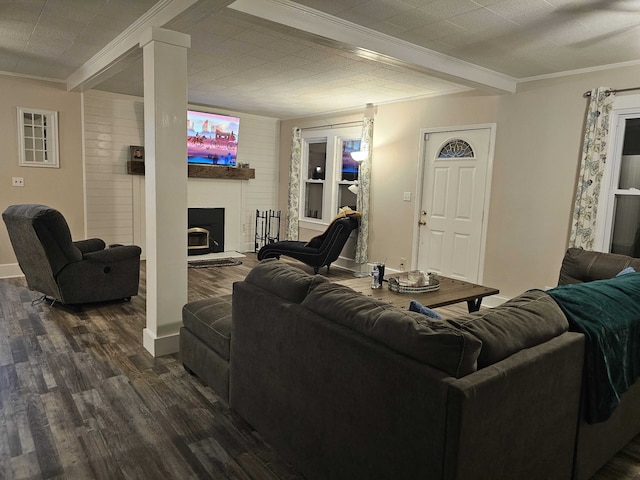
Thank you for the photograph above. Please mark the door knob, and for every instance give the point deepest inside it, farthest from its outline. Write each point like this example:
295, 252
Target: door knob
422, 222
423, 212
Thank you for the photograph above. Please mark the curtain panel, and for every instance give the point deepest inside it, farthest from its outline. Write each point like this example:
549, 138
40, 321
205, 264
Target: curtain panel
594, 157
293, 199
364, 182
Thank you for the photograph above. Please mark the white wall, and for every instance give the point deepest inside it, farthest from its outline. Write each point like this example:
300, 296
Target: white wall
537, 154
111, 124
60, 188
115, 200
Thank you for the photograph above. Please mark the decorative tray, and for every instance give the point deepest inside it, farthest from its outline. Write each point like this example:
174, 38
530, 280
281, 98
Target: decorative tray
414, 281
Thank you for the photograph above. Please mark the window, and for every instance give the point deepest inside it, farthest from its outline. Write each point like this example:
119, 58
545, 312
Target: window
328, 172
456, 149
38, 137
622, 231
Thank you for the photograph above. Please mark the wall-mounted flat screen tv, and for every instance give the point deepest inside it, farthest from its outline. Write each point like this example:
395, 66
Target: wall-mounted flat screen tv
212, 139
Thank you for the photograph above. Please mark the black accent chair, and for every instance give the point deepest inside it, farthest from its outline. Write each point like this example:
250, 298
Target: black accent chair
319, 251
66, 271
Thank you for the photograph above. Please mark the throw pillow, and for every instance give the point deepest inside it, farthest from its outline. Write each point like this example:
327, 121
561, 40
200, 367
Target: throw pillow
415, 306
626, 270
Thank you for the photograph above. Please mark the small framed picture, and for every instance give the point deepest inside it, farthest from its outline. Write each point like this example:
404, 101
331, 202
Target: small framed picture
136, 153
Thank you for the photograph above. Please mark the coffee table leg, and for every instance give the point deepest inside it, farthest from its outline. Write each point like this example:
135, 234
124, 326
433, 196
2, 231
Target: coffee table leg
474, 305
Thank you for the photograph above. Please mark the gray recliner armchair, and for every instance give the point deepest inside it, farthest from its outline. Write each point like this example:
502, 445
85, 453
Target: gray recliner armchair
67, 271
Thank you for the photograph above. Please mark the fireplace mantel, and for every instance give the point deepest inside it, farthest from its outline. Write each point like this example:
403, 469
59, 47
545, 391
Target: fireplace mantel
202, 171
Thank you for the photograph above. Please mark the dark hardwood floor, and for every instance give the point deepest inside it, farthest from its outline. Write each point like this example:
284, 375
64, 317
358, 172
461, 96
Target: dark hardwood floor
80, 398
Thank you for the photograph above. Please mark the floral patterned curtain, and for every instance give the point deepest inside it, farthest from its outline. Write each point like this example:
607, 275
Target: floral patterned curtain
293, 201
594, 157
364, 181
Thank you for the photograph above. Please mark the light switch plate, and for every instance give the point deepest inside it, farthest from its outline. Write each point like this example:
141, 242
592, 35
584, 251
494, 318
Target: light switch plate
406, 196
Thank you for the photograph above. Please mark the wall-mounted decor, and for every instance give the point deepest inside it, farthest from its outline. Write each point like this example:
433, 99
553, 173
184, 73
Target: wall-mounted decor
38, 137
136, 153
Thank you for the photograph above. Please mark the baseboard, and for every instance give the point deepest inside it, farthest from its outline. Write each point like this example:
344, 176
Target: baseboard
10, 270
494, 301
349, 264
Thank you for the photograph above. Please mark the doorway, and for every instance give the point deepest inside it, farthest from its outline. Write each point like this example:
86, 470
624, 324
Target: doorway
454, 201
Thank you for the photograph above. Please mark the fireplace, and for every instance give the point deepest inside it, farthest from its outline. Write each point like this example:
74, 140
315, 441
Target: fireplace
205, 233
198, 241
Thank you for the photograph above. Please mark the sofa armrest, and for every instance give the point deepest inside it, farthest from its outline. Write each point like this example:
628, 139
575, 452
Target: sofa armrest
518, 417
111, 255
580, 265
89, 245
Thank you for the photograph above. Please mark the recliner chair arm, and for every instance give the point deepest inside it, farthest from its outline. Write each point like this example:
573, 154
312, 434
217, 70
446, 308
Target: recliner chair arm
111, 255
89, 245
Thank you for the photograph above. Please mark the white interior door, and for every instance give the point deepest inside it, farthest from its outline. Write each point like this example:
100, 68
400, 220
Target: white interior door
454, 194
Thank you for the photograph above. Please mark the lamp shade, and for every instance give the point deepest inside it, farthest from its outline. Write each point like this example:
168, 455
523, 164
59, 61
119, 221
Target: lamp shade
359, 156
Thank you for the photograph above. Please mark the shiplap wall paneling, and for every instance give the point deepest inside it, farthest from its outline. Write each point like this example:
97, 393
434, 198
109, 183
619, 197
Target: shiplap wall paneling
261, 152
111, 124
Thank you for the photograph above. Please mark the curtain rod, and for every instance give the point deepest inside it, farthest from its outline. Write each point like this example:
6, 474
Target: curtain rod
354, 123
612, 90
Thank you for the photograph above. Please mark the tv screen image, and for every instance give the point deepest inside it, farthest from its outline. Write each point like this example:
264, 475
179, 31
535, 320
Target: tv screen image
212, 139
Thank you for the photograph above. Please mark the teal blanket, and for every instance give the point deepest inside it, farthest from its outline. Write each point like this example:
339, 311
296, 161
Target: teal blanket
608, 313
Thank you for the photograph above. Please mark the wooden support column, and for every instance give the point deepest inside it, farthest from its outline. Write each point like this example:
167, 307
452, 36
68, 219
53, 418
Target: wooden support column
165, 134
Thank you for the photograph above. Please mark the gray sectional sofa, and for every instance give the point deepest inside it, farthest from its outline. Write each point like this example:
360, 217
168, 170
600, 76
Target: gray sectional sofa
347, 387
596, 443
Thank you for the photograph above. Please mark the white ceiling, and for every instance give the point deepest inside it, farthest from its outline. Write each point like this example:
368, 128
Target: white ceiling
284, 59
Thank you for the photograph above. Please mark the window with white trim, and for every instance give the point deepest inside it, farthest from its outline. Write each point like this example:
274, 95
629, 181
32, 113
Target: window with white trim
38, 137
327, 173
622, 227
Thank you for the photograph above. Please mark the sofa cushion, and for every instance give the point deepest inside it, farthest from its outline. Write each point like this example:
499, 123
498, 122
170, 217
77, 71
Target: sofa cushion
210, 321
523, 322
415, 306
283, 280
581, 265
427, 340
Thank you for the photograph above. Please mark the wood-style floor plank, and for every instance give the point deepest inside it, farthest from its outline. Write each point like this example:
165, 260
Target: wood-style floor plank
80, 398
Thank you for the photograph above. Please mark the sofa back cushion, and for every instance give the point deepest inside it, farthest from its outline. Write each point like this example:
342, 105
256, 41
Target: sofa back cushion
581, 265
427, 340
285, 281
523, 322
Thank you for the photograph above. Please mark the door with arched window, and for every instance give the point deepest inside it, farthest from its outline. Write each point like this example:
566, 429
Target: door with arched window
452, 220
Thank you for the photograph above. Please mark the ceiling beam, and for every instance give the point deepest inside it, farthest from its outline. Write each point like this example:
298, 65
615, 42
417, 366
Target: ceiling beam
377, 46
124, 50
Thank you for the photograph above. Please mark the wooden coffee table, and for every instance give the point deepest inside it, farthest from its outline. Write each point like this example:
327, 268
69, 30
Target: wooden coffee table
451, 291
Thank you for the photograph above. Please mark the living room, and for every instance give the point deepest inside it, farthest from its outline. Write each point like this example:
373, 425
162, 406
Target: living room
536, 157
537, 153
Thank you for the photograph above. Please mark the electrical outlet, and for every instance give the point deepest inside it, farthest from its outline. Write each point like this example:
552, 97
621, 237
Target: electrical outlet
17, 181
402, 262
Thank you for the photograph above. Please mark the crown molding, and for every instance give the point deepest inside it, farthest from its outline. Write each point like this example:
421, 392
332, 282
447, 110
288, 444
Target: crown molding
580, 71
32, 77
377, 46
